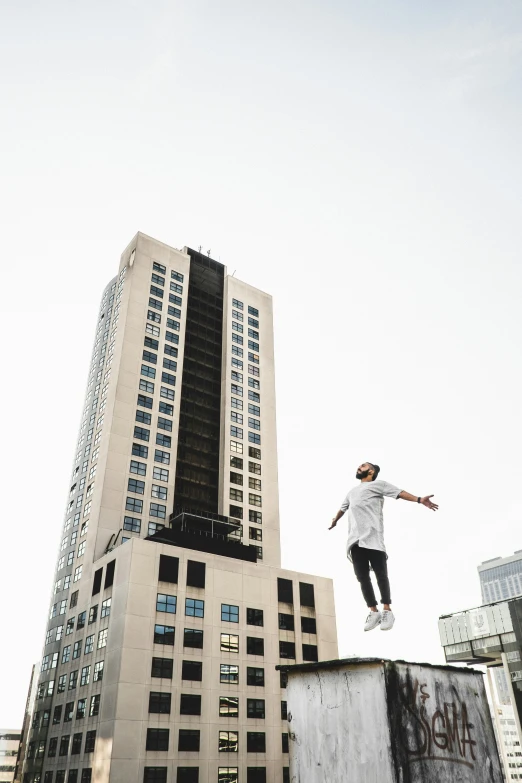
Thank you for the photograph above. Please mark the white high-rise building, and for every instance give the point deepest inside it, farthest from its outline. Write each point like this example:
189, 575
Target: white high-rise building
501, 577
9, 745
170, 608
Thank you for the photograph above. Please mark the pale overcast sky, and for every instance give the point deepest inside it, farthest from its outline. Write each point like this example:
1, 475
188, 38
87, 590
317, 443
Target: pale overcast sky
361, 162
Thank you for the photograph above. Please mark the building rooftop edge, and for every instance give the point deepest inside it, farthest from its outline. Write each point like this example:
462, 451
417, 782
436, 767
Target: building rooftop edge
480, 606
316, 666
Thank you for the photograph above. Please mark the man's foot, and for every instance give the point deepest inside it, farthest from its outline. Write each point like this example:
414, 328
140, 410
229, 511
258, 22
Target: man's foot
387, 620
372, 621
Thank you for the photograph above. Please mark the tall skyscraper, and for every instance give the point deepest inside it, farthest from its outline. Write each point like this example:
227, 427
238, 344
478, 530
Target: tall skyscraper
9, 745
501, 577
170, 609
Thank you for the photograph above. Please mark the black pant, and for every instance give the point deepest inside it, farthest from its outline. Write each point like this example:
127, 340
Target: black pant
362, 560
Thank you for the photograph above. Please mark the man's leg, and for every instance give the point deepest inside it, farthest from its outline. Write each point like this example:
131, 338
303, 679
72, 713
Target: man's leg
380, 567
361, 566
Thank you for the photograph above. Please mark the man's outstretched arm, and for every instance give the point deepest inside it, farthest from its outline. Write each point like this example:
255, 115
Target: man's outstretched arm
426, 501
336, 519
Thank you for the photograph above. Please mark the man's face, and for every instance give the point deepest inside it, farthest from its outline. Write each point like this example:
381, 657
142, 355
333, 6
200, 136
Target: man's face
363, 470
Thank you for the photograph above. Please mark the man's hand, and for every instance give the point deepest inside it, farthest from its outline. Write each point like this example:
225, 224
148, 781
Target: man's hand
426, 501
334, 522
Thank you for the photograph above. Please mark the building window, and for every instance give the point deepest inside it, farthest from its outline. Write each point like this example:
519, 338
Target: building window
144, 401
256, 709
229, 673
156, 291
89, 644
167, 408
140, 451
229, 613
169, 379
310, 652
254, 437
151, 329
306, 594
85, 675
138, 467
254, 617
284, 742
238, 316
94, 708
102, 638
255, 645
254, 500
237, 417
229, 643
255, 516
158, 491
76, 744
287, 650
285, 591
157, 510
77, 649
64, 745
164, 634
255, 676
308, 625
162, 668
148, 372
143, 417
253, 311
106, 607
254, 484
194, 607
190, 704
236, 478
284, 710
236, 303
78, 573
166, 603
195, 573
236, 494
66, 654
153, 527
93, 614
188, 740
163, 457
236, 512
236, 447
159, 702
254, 467
228, 775
256, 775
192, 671
229, 706
86, 775
134, 485
228, 742
236, 432
255, 534
68, 712
155, 303
157, 739
134, 504
132, 524
98, 672
163, 440
140, 433
147, 386
155, 775
256, 742
286, 622
193, 637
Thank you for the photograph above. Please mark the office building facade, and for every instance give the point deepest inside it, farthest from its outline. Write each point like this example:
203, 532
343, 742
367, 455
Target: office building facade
501, 578
9, 745
170, 608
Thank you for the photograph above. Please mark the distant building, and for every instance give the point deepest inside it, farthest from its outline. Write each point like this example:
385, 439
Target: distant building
501, 577
9, 744
492, 636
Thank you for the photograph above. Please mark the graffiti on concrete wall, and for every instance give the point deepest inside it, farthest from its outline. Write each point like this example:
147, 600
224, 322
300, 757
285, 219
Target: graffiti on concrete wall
436, 733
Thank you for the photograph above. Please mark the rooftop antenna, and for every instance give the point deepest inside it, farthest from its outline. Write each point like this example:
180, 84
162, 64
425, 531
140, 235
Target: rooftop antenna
233, 273
208, 252
199, 249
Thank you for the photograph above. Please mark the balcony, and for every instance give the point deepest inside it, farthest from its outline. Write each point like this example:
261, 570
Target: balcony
205, 532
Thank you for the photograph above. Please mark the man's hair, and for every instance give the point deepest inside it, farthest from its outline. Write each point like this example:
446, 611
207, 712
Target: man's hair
376, 470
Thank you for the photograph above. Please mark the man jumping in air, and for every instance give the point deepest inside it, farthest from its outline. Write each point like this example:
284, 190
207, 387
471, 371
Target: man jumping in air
365, 545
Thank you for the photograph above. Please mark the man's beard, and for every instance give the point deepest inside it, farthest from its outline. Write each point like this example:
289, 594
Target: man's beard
362, 474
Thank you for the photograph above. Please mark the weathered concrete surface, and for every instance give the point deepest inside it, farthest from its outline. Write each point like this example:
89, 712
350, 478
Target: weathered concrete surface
374, 721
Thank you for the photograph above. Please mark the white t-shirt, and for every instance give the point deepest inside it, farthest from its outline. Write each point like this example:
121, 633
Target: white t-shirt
365, 522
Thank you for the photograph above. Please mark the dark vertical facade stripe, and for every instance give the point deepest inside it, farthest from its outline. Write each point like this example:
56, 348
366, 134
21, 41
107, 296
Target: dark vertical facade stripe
197, 464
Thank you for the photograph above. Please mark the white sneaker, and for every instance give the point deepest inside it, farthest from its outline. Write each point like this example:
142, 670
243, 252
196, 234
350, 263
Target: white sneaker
387, 620
372, 621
